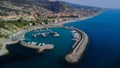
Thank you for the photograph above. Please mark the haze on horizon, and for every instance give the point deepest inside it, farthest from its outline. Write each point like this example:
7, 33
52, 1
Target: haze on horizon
97, 3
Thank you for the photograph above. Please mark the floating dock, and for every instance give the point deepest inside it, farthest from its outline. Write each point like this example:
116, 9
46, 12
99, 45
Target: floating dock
55, 34
44, 34
78, 48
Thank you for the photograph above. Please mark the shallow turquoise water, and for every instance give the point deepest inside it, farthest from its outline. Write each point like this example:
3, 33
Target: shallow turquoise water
103, 50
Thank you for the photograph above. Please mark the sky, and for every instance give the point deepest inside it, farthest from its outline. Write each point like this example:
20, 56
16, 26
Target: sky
97, 3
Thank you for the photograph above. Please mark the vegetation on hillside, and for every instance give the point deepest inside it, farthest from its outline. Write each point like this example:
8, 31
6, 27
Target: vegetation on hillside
13, 25
1, 46
16, 14
3, 13
3, 35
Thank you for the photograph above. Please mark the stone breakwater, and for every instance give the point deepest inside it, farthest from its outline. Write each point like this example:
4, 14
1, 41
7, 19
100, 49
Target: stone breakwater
39, 48
77, 51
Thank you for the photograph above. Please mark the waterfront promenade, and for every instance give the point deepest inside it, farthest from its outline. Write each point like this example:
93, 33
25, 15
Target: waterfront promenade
78, 48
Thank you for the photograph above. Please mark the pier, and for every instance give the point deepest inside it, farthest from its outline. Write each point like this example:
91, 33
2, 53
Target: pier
78, 48
44, 34
40, 47
55, 34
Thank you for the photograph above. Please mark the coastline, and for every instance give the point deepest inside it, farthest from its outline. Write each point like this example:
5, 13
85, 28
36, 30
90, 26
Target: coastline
72, 20
2, 41
80, 19
75, 20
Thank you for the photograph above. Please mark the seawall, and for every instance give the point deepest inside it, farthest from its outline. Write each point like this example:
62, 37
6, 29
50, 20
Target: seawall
39, 48
77, 51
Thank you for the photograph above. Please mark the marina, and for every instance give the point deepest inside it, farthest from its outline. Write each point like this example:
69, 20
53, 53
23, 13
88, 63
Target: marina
75, 54
41, 46
80, 38
38, 39
103, 50
44, 34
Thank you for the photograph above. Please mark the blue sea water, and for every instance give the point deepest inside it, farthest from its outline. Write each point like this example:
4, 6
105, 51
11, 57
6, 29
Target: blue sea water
103, 49
104, 40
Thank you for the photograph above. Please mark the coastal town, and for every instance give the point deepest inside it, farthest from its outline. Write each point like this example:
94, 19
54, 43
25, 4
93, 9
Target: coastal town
59, 34
15, 23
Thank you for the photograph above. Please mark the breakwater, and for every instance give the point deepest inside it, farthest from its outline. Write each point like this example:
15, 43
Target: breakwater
40, 48
78, 48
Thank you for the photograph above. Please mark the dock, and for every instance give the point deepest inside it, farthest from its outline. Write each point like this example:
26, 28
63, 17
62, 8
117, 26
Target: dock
46, 47
55, 34
40, 47
78, 48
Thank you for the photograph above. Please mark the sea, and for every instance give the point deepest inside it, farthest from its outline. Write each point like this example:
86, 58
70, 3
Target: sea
102, 51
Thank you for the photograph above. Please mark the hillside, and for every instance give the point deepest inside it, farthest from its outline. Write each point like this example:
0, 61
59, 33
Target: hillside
38, 6
18, 14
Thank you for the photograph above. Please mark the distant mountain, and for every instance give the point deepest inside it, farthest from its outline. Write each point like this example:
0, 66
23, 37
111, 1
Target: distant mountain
81, 7
40, 6
59, 6
55, 6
